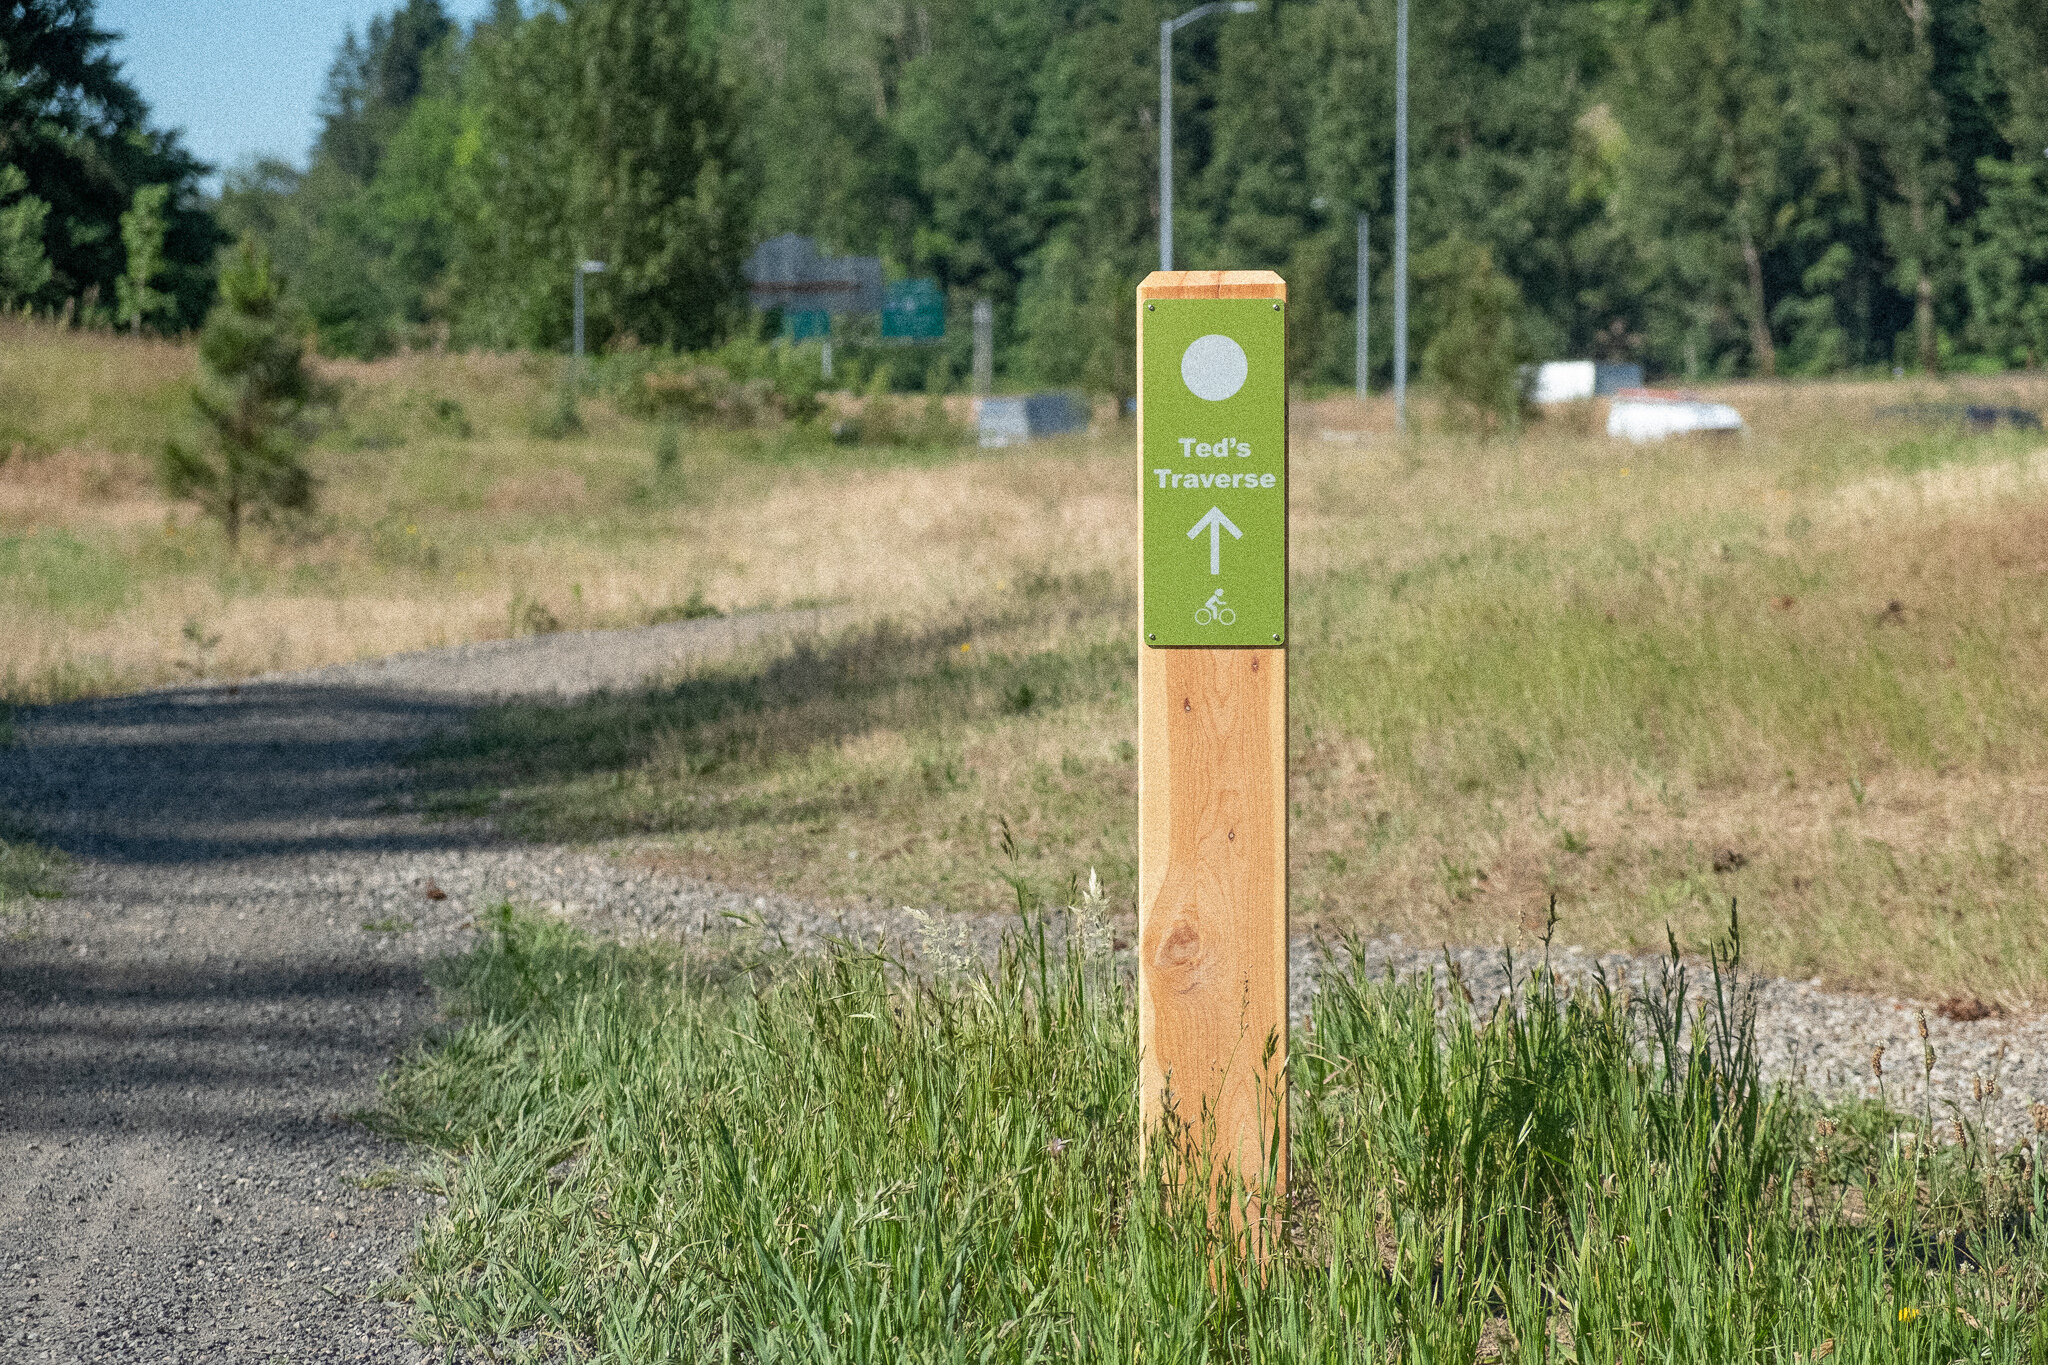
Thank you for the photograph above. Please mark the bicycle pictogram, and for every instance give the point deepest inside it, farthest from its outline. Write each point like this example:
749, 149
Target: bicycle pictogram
1213, 612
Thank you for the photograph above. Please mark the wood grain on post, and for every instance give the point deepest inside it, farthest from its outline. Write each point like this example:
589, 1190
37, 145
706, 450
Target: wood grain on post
1212, 871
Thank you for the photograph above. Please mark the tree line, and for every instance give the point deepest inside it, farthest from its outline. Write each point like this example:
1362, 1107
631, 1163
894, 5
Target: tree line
1711, 187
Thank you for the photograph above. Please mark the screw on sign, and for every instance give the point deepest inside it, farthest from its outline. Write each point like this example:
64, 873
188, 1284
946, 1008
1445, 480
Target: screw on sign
1212, 721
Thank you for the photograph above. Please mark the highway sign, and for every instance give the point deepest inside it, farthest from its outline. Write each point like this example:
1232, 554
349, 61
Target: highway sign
1212, 404
913, 310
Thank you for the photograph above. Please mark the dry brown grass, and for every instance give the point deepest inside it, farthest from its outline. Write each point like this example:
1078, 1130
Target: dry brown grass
1859, 675
1553, 665
430, 537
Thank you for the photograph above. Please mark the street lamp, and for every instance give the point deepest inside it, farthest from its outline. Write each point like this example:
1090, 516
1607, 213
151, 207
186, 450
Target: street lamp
583, 268
1167, 28
1401, 215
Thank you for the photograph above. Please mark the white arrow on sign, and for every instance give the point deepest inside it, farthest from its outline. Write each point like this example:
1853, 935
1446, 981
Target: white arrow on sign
1215, 523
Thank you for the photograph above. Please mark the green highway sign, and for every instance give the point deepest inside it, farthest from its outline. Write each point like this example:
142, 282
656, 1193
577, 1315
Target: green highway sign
1212, 467
913, 310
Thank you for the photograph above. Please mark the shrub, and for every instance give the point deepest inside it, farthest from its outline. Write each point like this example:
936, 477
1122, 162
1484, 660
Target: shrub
1477, 353
743, 383
668, 450
561, 419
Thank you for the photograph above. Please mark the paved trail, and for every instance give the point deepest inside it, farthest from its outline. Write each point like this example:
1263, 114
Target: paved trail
182, 1036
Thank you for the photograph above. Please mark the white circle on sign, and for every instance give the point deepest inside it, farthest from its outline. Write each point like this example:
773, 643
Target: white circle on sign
1213, 367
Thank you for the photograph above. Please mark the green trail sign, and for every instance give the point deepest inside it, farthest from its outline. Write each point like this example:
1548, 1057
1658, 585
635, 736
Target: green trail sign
1212, 444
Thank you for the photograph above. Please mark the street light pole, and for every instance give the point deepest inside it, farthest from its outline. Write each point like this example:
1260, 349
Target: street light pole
1401, 214
1167, 28
583, 268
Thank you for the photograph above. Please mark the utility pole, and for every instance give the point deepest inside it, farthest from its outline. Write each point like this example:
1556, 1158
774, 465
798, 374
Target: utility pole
1167, 28
1401, 214
1364, 299
583, 268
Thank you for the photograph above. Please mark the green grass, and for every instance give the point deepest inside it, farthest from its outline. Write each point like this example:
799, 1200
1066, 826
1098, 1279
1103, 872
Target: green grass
48, 570
60, 387
769, 769
29, 872
650, 1155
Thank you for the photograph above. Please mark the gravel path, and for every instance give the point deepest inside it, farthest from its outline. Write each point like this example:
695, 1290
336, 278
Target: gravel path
241, 954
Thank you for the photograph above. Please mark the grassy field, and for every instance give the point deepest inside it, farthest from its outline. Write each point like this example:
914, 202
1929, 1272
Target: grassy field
444, 517
651, 1156
1807, 667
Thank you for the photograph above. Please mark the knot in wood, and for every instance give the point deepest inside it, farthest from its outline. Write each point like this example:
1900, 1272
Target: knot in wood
1183, 947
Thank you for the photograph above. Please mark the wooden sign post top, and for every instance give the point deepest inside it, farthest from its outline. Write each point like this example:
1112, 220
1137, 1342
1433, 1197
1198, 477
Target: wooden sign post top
1212, 723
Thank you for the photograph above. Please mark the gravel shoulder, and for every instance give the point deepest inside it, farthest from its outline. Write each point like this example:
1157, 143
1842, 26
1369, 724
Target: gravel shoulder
242, 953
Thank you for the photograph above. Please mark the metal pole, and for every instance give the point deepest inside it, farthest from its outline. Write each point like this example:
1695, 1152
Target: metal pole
578, 346
984, 347
1401, 214
1364, 300
1166, 144
1167, 28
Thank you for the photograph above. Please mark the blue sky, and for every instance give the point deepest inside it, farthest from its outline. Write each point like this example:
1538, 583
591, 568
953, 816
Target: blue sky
241, 77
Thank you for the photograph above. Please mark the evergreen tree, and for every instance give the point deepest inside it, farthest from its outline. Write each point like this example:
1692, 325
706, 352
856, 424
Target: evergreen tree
253, 400
2006, 260
1346, 76
1255, 191
819, 84
2017, 54
1092, 162
1707, 185
1871, 66
80, 134
24, 268
142, 233
968, 104
373, 83
1709, 159
363, 240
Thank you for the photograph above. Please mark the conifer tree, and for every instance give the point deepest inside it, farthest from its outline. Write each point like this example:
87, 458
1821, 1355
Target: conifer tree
2006, 263
252, 399
81, 134
1708, 163
24, 268
1870, 66
142, 233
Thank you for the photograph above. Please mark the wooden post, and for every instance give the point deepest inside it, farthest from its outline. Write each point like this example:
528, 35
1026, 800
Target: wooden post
1212, 722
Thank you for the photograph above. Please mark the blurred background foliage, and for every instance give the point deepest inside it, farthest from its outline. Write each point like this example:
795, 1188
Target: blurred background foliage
1710, 187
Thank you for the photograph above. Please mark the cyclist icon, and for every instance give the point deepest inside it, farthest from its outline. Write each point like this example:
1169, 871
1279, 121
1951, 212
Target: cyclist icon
1213, 612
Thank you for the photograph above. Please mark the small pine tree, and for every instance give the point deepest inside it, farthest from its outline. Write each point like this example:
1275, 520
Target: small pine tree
24, 268
142, 233
253, 400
